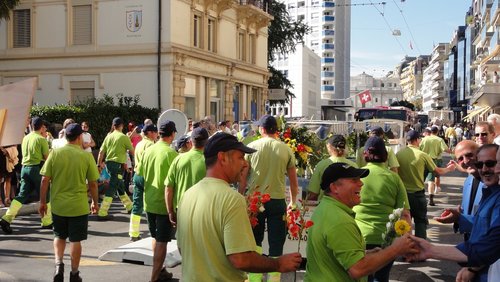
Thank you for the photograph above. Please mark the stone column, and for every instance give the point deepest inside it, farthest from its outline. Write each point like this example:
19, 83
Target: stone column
178, 100
228, 101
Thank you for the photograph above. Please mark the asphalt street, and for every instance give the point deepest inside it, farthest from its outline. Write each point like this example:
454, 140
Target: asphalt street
27, 254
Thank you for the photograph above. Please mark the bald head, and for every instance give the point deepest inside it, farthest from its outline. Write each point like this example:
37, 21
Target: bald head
465, 152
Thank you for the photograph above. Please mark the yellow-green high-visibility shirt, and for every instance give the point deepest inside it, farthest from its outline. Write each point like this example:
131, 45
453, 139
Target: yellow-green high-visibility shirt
154, 168
315, 183
115, 146
140, 148
412, 165
433, 145
34, 147
69, 168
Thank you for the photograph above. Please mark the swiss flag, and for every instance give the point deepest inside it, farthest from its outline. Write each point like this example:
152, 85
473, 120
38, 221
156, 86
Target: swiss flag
365, 96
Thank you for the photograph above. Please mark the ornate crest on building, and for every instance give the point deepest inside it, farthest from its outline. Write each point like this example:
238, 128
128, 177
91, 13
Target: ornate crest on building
134, 20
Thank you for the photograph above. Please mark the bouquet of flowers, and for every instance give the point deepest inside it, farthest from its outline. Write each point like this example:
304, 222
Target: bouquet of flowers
256, 203
395, 227
296, 222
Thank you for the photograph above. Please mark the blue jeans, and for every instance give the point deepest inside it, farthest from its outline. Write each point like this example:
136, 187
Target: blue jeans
274, 215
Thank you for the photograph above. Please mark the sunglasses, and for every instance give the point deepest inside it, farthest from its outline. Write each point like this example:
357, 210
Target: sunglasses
482, 134
489, 164
468, 155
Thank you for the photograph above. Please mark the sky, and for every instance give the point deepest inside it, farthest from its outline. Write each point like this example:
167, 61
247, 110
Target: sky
375, 51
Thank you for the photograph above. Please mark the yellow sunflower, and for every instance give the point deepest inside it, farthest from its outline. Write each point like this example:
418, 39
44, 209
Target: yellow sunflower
401, 227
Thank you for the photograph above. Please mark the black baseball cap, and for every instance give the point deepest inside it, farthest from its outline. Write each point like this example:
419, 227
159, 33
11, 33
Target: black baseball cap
223, 142
268, 122
73, 129
337, 141
199, 133
337, 171
149, 127
182, 141
167, 127
37, 122
412, 135
376, 145
377, 130
117, 121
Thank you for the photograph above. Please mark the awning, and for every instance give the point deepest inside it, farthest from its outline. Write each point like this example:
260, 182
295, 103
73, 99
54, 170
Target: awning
474, 113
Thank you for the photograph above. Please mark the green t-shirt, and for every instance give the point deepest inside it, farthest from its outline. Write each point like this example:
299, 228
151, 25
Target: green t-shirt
268, 166
383, 191
212, 223
34, 147
154, 168
115, 145
334, 243
315, 183
433, 145
391, 162
69, 168
140, 148
413, 163
186, 170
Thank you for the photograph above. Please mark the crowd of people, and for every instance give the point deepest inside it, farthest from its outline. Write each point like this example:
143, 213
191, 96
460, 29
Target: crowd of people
196, 184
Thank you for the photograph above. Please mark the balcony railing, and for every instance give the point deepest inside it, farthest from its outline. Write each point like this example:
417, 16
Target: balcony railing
327, 88
328, 18
328, 4
263, 5
328, 32
327, 74
485, 9
327, 60
495, 11
495, 40
327, 46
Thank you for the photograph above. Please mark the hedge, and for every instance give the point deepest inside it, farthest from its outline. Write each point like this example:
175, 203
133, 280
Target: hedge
99, 113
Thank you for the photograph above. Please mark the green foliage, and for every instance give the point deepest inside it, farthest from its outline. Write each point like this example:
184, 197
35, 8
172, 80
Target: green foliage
6, 6
284, 35
99, 113
356, 140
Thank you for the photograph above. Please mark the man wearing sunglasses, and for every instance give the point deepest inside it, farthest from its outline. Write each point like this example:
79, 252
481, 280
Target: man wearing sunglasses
484, 133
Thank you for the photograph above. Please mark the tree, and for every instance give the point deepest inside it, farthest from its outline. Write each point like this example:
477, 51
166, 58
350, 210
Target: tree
403, 103
6, 6
284, 35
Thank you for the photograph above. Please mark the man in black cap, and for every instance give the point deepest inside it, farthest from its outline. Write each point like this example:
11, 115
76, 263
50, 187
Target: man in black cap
335, 245
266, 171
68, 182
413, 162
154, 168
184, 144
35, 150
114, 151
149, 136
213, 225
186, 170
392, 161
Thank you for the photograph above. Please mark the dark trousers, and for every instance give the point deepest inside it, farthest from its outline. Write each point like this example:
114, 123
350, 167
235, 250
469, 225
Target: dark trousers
115, 180
138, 195
382, 275
418, 210
274, 216
30, 181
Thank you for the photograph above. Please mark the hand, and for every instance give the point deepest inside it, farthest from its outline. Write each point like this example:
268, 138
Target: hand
449, 216
94, 208
172, 216
451, 166
42, 209
425, 249
464, 275
405, 245
289, 262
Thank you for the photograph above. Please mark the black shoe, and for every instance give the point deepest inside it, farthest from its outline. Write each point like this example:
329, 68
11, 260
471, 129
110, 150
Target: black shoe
135, 239
50, 226
75, 277
59, 273
5, 227
105, 218
165, 275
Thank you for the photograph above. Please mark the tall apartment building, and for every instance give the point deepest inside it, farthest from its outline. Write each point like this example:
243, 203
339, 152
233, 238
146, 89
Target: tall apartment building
411, 74
330, 22
205, 58
432, 90
303, 69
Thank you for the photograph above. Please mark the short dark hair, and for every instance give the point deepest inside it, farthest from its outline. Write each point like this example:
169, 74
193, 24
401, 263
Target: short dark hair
210, 161
71, 138
487, 146
197, 143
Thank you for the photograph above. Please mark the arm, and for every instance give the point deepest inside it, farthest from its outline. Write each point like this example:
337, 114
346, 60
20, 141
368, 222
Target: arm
439, 252
294, 185
92, 142
253, 262
94, 207
169, 199
444, 170
44, 188
100, 159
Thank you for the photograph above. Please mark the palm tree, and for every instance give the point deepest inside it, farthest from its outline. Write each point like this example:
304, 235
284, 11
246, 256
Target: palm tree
6, 6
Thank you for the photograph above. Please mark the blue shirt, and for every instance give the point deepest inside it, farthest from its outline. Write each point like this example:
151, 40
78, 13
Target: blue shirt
466, 219
483, 247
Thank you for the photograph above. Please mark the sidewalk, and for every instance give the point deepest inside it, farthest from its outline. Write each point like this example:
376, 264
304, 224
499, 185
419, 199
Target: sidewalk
25, 209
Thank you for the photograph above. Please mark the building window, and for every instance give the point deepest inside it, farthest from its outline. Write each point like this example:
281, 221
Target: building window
241, 45
21, 21
251, 48
81, 91
82, 25
190, 106
211, 35
301, 17
197, 32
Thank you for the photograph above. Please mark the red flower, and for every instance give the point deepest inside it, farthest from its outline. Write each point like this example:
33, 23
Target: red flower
294, 228
253, 208
265, 198
301, 148
254, 200
256, 194
254, 221
309, 223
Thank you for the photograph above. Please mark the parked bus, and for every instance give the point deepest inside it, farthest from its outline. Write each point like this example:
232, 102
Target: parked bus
397, 113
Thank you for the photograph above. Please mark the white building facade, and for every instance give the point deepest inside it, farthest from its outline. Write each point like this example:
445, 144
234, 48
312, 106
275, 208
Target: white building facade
433, 94
302, 68
330, 23
205, 58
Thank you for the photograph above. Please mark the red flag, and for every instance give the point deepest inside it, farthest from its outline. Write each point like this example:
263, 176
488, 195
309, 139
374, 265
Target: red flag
365, 96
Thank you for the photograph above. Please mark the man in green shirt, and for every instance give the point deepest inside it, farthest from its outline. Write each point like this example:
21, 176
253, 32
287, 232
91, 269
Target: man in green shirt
68, 184
413, 164
114, 151
149, 136
214, 233
267, 169
35, 150
434, 146
186, 170
154, 168
335, 245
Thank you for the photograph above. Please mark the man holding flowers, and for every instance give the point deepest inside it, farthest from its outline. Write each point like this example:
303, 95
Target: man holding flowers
336, 247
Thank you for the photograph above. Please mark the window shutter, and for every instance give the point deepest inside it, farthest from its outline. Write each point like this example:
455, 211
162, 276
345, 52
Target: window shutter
82, 25
22, 28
